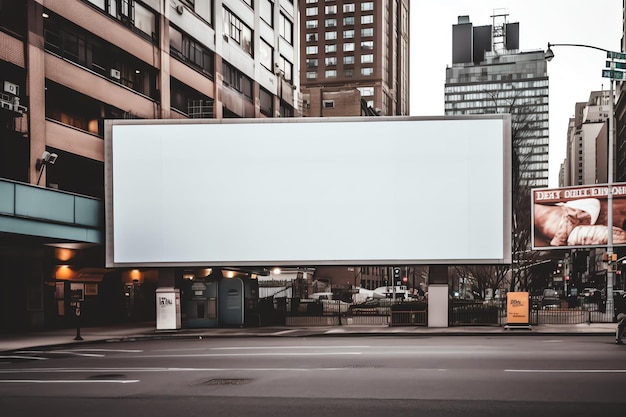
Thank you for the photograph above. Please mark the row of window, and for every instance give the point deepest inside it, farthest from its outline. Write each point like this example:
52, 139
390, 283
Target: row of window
131, 14
77, 45
332, 60
347, 21
332, 73
347, 47
347, 8
347, 34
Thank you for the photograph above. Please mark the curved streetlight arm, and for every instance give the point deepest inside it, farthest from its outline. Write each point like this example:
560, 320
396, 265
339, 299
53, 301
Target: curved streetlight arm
577, 44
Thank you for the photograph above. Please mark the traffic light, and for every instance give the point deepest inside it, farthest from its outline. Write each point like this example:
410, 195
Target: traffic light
396, 272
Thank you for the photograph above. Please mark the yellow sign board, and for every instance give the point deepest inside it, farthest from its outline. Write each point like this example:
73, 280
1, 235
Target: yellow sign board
517, 308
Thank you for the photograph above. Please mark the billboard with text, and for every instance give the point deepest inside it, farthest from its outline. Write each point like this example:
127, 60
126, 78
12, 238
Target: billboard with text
575, 217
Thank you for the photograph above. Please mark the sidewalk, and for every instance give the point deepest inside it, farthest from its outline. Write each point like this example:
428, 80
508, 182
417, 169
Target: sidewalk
137, 331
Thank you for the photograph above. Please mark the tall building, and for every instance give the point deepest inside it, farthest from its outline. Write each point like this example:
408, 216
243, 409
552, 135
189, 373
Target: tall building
586, 156
352, 47
489, 74
65, 67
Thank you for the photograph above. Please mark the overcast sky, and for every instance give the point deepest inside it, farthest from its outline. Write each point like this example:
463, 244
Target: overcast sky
574, 72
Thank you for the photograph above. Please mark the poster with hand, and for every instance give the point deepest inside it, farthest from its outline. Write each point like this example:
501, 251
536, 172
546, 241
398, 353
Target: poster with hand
577, 217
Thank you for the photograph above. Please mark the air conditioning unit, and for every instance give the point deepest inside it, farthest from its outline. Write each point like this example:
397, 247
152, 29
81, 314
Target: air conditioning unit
115, 74
11, 88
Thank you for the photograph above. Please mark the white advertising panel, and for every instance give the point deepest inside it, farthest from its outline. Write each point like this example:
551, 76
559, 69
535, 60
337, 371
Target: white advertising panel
349, 191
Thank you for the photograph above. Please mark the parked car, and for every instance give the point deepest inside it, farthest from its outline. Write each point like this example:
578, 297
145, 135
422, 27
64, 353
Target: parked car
550, 299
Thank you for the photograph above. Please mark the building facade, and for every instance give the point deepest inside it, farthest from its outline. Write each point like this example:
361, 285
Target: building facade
587, 134
65, 67
350, 47
489, 74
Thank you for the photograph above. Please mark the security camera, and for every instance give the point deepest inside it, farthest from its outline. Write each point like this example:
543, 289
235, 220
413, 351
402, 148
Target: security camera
52, 158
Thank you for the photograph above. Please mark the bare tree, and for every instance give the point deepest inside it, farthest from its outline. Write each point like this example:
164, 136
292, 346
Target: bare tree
519, 275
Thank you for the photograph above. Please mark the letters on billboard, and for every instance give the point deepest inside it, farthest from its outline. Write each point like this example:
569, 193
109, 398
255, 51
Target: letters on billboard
578, 216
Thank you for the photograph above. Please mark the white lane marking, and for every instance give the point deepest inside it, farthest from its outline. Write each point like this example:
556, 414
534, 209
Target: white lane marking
287, 347
222, 355
69, 352
35, 358
284, 332
67, 381
78, 370
275, 348
568, 371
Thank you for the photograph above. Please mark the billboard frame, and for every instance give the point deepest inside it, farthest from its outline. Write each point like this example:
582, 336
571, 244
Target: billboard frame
506, 193
589, 203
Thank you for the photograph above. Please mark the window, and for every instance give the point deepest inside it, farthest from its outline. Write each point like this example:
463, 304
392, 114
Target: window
311, 11
310, 75
131, 14
328, 104
267, 102
238, 81
189, 101
331, 23
367, 19
331, 73
367, 32
286, 67
311, 24
348, 73
311, 37
331, 9
366, 91
311, 50
367, 59
348, 8
367, 71
329, 36
330, 48
348, 46
267, 12
348, 21
347, 34
311, 62
238, 31
191, 51
286, 29
266, 55
367, 6
367, 45
348, 60
330, 61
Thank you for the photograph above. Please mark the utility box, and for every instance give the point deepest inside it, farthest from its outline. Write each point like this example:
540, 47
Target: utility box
168, 309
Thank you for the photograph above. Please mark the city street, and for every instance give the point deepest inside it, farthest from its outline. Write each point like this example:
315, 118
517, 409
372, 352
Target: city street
316, 376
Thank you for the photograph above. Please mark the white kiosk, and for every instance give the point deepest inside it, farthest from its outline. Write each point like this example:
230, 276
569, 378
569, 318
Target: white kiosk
168, 309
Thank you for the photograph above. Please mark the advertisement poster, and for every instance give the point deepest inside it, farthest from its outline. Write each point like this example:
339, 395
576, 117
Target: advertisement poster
576, 217
517, 308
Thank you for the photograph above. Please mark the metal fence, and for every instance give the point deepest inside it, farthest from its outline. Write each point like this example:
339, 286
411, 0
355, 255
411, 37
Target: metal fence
296, 312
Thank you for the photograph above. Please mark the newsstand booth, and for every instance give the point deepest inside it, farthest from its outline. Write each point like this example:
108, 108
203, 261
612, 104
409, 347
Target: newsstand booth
249, 194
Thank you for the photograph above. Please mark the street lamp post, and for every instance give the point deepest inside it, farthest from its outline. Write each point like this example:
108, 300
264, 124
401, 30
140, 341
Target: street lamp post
610, 276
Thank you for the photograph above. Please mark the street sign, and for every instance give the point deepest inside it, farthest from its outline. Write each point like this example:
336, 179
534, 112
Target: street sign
615, 55
616, 65
615, 75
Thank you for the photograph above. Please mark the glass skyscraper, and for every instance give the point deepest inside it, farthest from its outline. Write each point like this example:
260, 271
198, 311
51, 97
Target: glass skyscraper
490, 75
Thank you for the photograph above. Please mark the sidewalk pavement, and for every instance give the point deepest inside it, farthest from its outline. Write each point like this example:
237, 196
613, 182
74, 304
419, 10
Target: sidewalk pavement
144, 331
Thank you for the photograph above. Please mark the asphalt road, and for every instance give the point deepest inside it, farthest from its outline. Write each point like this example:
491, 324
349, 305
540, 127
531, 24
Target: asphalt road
356, 376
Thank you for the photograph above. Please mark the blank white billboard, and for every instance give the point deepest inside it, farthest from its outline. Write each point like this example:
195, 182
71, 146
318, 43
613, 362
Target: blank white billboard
308, 192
